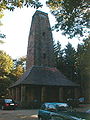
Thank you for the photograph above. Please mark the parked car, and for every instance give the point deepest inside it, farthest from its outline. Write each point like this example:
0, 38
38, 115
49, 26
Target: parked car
7, 104
60, 111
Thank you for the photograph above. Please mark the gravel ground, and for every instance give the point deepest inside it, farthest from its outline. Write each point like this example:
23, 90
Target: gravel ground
18, 114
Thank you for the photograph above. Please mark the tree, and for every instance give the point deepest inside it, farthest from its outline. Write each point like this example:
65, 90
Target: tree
18, 69
11, 4
6, 64
20, 61
70, 59
58, 54
1, 35
10, 71
4, 84
66, 60
83, 67
75, 64
72, 16
16, 73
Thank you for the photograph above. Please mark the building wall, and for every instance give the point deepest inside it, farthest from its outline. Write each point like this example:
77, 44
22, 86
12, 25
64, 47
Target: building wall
33, 95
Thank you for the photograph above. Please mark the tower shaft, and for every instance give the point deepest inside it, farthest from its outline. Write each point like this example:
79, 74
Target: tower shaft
40, 50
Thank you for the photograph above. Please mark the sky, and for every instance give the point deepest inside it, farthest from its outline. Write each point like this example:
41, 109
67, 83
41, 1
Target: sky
16, 27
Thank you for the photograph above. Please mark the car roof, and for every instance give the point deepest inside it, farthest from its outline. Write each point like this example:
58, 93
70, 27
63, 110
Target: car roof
6, 99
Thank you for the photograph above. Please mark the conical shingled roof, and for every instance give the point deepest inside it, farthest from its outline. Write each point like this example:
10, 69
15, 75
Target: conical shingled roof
39, 75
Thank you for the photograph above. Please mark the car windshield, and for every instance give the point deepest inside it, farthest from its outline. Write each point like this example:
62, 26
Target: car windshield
62, 107
57, 107
51, 107
8, 100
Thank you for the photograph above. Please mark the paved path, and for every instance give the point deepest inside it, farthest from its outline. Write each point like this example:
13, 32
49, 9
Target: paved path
18, 114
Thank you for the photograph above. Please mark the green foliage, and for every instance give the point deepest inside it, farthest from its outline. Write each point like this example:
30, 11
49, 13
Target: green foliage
10, 71
83, 56
17, 73
83, 66
58, 54
75, 65
1, 35
70, 60
11, 4
65, 60
4, 84
72, 16
20, 61
6, 64
18, 69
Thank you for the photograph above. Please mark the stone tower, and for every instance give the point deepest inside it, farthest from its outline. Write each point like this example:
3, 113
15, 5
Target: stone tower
41, 81
40, 43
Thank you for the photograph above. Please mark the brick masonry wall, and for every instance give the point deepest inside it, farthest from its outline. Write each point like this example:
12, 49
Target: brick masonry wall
40, 43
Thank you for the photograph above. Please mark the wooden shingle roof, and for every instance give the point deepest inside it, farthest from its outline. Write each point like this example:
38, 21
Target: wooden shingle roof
39, 75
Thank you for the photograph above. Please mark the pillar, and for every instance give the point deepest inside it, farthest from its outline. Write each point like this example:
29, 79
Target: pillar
23, 93
43, 94
13, 93
61, 94
17, 93
76, 92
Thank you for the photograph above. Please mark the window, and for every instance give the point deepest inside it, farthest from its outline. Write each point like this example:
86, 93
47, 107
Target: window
44, 55
43, 33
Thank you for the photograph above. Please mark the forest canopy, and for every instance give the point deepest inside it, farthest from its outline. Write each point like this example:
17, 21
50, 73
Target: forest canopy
72, 16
